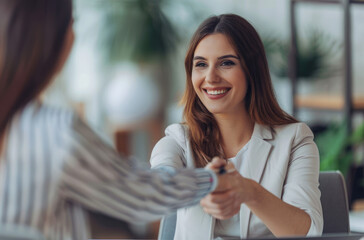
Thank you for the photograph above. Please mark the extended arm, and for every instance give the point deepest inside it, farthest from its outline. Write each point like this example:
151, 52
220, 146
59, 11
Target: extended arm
98, 178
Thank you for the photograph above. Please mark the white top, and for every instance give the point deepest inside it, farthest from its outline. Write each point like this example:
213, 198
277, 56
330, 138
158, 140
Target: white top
283, 159
231, 227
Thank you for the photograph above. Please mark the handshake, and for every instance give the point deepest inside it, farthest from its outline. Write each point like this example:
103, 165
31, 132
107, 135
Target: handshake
232, 190
224, 171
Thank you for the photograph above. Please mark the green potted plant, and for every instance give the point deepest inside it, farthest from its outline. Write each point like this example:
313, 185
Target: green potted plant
337, 147
314, 62
338, 152
138, 32
313, 56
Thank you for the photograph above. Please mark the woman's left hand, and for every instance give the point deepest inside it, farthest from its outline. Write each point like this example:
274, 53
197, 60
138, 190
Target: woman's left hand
225, 204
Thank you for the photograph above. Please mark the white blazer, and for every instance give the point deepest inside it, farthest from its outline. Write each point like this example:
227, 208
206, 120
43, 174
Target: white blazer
283, 159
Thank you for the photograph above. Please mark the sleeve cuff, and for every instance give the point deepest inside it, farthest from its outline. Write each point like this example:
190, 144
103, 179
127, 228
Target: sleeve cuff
206, 180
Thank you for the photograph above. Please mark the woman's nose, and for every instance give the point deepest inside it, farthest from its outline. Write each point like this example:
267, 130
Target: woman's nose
212, 76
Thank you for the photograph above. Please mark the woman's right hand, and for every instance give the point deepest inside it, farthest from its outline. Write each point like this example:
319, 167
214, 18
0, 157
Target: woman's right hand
219, 202
233, 190
215, 165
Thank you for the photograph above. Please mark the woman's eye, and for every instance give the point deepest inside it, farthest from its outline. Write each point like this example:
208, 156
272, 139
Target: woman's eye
227, 63
200, 64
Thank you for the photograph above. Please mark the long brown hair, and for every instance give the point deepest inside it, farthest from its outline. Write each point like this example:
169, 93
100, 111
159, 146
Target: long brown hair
32, 36
260, 100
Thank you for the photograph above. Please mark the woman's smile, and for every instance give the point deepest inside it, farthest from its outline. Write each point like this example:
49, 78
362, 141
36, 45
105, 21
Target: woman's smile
216, 93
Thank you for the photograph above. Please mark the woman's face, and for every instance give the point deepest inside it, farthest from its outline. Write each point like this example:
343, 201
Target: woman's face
217, 76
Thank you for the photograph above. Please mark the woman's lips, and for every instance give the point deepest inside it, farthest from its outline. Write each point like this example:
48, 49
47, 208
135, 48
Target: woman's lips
216, 93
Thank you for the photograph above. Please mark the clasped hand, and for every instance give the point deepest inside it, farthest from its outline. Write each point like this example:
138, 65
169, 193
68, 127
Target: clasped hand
232, 190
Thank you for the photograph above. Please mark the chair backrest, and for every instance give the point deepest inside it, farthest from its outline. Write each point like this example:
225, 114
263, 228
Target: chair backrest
334, 203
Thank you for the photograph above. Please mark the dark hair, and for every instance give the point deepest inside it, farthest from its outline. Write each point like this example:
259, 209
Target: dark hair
32, 36
261, 103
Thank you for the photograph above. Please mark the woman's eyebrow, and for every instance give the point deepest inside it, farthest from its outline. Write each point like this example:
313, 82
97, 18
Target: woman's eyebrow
198, 58
219, 58
228, 56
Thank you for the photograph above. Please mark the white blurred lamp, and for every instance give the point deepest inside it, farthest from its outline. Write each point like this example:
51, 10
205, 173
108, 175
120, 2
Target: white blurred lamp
130, 98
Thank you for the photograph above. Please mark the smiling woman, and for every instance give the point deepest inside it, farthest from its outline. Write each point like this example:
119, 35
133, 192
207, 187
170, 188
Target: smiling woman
231, 112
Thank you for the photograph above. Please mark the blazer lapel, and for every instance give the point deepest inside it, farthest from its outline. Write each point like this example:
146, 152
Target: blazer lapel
253, 167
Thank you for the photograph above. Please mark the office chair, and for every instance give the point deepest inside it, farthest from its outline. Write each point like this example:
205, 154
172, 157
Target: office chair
334, 203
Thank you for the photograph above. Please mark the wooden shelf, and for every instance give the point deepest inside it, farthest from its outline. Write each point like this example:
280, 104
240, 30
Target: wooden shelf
346, 104
329, 102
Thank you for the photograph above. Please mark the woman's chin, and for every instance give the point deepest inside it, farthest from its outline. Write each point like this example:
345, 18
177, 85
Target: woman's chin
216, 111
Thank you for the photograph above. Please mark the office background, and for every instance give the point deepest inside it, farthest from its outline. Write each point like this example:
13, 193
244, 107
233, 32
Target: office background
126, 74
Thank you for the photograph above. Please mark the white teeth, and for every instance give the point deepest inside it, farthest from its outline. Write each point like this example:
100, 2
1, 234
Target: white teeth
216, 92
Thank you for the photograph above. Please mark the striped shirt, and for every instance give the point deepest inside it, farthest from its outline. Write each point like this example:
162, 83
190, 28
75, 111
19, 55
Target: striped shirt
54, 167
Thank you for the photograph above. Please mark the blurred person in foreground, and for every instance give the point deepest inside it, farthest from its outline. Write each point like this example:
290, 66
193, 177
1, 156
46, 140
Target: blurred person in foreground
231, 112
53, 168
